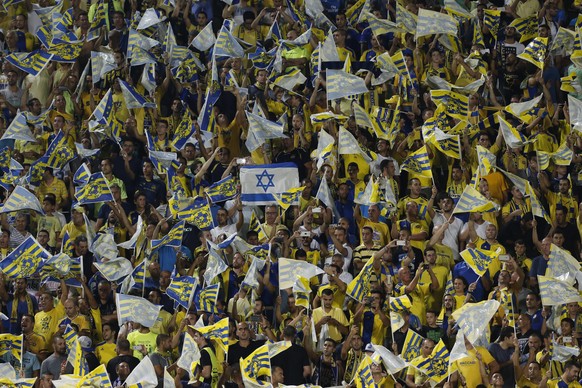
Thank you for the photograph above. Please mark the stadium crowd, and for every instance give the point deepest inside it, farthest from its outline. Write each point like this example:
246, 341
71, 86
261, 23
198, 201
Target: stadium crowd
291, 193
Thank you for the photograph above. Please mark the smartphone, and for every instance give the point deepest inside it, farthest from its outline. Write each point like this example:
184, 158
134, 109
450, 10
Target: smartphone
137, 347
400, 243
389, 279
567, 340
241, 161
316, 210
503, 257
305, 234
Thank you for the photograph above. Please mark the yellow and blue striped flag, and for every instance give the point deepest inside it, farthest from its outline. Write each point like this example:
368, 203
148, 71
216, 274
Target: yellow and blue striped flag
95, 191
457, 104
363, 376
360, 287
205, 39
412, 345
555, 292
526, 27
472, 201
536, 207
491, 19
382, 26
478, 260
275, 33
76, 359
535, 52
217, 332
289, 270
10, 343
136, 309
82, 175
114, 269
183, 132
353, 14
66, 52
96, 378
341, 84
173, 238
227, 46
67, 246
451, 42
477, 35
205, 299
24, 261
406, 19
295, 14
347, 144
513, 138
59, 153
418, 162
194, 210
21, 199
69, 335
288, 198
449, 145
487, 160
431, 23
19, 128
301, 291
57, 265
32, 63
436, 366
222, 190
400, 303
257, 364
181, 289
133, 99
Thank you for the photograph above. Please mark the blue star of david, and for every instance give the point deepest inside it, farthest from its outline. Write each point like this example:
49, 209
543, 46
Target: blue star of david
269, 177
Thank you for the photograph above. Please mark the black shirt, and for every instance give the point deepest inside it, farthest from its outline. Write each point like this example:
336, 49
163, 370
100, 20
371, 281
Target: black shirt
112, 364
236, 351
292, 361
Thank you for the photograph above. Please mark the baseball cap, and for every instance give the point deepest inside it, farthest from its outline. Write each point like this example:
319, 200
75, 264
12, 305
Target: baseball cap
369, 348
85, 342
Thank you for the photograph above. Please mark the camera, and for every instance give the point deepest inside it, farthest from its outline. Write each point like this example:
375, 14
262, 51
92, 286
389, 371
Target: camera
425, 266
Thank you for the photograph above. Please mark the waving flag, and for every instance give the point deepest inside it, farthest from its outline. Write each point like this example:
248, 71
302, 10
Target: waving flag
181, 289
227, 46
59, 153
82, 175
143, 375
431, 23
24, 261
363, 376
115, 269
412, 345
21, 199
555, 292
205, 39
478, 260
289, 270
536, 52
96, 190
260, 182
98, 377
19, 129
205, 300
457, 104
218, 332
257, 364
136, 309
526, 27
418, 162
406, 19
473, 318
10, 343
436, 366
301, 291
261, 129
32, 63
173, 238
347, 144
133, 99
190, 354
491, 19
400, 303
341, 84
360, 287
472, 201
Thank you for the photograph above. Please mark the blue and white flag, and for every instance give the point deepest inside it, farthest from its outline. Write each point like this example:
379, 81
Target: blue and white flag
260, 182
133, 99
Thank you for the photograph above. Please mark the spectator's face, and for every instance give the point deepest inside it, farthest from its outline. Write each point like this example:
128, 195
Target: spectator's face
531, 302
374, 212
566, 328
20, 22
165, 279
431, 318
238, 261
60, 346
26, 324
202, 19
564, 186
45, 302
357, 342
491, 232
46, 381
104, 290
148, 169
431, 257
154, 298
427, 347
497, 380
411, 209
123, 370
415, 187
117, 21
558, 239
534, 343
70, 309
328, 348
534, 370
484, 141
35, 107
107, 333
243, 331
367, 235
4, 240
571, 374
458, 285
340, 21
222, 217
405, 275
82, 247
327, 301
448, 302
446, 204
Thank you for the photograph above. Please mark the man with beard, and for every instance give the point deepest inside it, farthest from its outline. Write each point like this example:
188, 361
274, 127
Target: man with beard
56, 363
47, 319
17, 305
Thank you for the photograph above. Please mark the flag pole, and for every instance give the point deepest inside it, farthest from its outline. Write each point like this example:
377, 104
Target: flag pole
145, 261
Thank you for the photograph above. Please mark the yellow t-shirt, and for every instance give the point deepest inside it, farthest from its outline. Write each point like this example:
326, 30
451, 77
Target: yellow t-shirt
46, 324
105, 352
336, 314
148, 340
469, 366
162, 322
418, 308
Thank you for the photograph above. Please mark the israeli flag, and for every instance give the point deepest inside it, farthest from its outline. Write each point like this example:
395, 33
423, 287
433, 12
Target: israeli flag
260, 182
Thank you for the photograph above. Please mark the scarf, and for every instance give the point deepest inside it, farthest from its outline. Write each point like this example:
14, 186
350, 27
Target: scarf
14, 312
